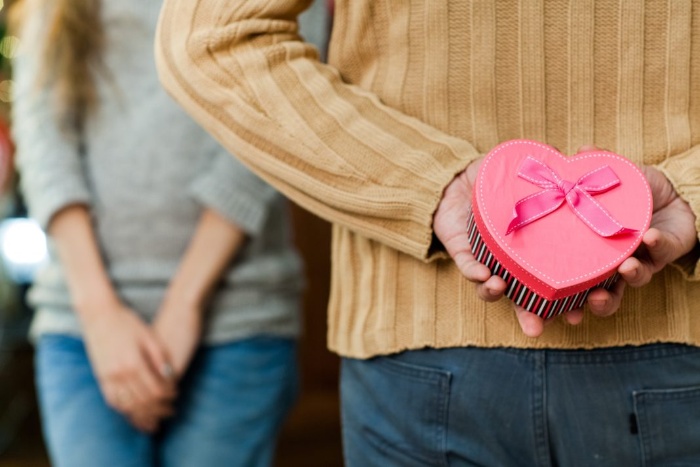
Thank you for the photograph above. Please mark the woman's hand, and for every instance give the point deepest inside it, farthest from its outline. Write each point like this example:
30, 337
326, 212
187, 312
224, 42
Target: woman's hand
130, 366
126, 358
208, 256
178, 327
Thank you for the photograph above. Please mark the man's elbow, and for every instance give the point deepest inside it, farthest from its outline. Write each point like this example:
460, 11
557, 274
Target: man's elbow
173, 47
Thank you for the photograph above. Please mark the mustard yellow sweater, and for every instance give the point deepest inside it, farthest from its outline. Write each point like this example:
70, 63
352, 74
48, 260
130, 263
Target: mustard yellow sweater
414, 91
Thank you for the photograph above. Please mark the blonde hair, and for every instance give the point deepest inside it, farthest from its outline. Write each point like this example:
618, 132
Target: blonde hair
71, 55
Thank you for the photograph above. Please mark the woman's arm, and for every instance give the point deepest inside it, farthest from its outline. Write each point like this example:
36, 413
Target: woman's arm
124, 354
90, 288
127, 359
210, 251
48, 157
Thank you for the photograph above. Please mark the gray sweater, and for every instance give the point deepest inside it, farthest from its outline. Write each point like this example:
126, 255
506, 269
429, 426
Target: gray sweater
146, 172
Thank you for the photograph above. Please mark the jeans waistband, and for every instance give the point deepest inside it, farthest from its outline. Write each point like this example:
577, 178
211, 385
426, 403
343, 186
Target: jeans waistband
608, 354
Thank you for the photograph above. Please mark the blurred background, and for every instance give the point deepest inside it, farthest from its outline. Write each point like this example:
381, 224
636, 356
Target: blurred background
311, 436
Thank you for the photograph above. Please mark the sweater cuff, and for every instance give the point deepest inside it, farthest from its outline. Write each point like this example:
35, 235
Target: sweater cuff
43, 208
436, 250
683, 171
235, 193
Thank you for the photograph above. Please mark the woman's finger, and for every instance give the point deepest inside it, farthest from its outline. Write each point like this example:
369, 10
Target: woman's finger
151, 385
115, 397
158, 358
144, 423
153, 409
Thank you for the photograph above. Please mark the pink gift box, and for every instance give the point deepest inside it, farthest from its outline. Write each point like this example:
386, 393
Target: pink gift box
555, 227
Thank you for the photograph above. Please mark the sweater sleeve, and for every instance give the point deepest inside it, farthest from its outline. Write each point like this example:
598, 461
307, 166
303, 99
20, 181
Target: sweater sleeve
49, 162
683, 170
232, 190
243, 72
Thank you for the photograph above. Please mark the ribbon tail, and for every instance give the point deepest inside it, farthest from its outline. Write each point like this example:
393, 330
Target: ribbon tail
595, 216
535, 206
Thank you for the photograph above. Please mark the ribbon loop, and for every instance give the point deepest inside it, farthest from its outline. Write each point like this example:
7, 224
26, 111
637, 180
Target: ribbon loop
577, 195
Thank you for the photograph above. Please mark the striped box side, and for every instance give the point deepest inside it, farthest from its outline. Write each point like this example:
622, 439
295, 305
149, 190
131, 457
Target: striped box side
517, 291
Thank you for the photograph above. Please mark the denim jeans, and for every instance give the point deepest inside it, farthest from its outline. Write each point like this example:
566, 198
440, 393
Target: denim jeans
229, 408
617, 407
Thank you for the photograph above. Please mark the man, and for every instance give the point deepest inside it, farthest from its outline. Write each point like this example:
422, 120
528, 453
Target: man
385, 143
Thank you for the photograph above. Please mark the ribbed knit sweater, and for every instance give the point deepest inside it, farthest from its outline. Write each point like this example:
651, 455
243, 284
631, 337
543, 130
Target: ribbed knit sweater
413, 92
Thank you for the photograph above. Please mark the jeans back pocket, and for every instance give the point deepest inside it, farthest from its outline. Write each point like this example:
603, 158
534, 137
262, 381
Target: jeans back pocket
669, 426
394, 411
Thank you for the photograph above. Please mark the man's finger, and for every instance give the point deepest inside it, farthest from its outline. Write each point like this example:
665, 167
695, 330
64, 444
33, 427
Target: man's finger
574, 316
661, 246
531, 324
606, 302
634, 272
491, 290
470, 268
587, 148
659, 249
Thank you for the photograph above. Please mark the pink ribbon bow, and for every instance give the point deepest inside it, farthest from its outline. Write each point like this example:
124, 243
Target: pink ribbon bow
577, 195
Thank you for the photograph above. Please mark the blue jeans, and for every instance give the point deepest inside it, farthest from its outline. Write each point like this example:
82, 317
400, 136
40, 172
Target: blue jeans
230, 406
615, 407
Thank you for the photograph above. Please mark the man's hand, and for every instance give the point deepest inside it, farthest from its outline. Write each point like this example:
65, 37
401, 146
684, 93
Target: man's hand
670, 236
450, 226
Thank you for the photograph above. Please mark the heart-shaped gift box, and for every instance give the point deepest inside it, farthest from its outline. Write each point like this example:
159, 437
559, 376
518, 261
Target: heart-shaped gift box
555, 227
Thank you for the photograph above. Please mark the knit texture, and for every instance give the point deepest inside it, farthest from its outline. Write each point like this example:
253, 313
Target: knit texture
413, 92
146, 173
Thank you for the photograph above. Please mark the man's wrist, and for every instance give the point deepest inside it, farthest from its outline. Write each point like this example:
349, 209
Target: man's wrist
472, 169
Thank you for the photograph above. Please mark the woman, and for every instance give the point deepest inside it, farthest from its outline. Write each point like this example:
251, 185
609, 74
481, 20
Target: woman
165, 321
